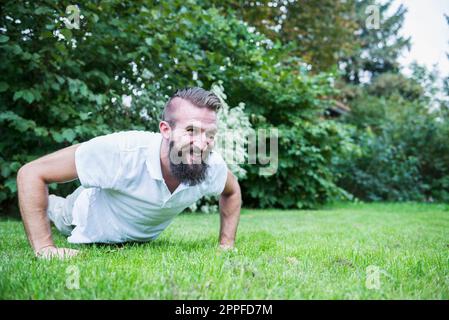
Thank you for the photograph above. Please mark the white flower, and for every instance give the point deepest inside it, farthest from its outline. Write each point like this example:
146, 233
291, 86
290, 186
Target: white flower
144, 114
126, 101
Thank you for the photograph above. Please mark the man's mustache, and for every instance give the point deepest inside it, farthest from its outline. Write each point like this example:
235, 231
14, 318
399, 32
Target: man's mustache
193, 151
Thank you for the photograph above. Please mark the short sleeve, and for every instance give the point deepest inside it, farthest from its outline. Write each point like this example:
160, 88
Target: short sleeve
218, 174
98, 161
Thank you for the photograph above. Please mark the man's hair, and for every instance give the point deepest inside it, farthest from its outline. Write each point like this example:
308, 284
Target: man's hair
197, 96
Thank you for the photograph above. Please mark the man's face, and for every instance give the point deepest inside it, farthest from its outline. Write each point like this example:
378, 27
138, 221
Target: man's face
191, 141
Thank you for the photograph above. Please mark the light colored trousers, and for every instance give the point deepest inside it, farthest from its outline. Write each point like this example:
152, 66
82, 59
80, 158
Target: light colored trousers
60, 209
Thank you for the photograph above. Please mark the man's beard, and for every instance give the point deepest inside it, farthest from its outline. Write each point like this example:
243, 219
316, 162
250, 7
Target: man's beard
190, 174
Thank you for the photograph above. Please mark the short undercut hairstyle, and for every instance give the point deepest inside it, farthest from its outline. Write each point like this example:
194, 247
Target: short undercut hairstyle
197, 96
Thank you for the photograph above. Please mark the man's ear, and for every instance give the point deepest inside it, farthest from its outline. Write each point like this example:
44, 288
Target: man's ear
165, 129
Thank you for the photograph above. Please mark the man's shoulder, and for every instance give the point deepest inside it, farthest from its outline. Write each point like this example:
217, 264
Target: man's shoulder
134, 140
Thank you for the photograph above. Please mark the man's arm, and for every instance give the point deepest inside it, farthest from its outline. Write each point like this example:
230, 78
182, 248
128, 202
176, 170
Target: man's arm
230, 203
32, 180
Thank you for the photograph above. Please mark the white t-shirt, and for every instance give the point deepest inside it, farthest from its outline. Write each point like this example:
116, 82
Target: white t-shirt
126, 198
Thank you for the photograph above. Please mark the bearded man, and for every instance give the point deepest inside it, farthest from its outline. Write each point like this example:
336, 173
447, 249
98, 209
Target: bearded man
133, 183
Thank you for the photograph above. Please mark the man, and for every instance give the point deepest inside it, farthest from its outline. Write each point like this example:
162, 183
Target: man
133, 183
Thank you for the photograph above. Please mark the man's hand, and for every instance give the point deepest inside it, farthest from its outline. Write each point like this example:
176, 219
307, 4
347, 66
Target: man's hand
230, 203
227, 247
32, 180
51, 252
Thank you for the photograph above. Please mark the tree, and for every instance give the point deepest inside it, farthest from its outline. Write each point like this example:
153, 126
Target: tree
378, 48
321, 31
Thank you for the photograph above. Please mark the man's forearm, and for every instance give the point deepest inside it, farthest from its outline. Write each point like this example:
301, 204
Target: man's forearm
229, 217
33, 201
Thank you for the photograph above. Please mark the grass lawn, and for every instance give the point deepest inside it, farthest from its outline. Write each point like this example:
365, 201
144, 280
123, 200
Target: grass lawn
321, 254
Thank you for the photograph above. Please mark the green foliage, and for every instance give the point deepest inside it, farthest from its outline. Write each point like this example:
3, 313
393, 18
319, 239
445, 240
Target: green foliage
381, 170
382, 100
390, 84
63, 86
304, 177
285, 96
402, 134
321, 31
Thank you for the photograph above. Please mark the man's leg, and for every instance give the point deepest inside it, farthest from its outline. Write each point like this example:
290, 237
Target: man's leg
59, 211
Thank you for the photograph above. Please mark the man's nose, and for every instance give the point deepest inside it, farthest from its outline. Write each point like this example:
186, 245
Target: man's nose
201, 142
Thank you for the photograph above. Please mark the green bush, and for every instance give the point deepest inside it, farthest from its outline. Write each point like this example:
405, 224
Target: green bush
403, 151
62, 86
381, 170
305, 177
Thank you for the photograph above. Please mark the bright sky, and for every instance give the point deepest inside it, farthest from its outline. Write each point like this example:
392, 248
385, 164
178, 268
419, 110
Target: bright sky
429, 32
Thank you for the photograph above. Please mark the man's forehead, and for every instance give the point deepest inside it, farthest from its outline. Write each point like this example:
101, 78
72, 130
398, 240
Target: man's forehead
187, 114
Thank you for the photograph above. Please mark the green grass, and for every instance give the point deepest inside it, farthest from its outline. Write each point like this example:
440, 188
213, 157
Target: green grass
321, 254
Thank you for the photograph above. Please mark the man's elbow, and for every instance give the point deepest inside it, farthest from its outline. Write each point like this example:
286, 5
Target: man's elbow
235, 194
26, 172
23, 172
